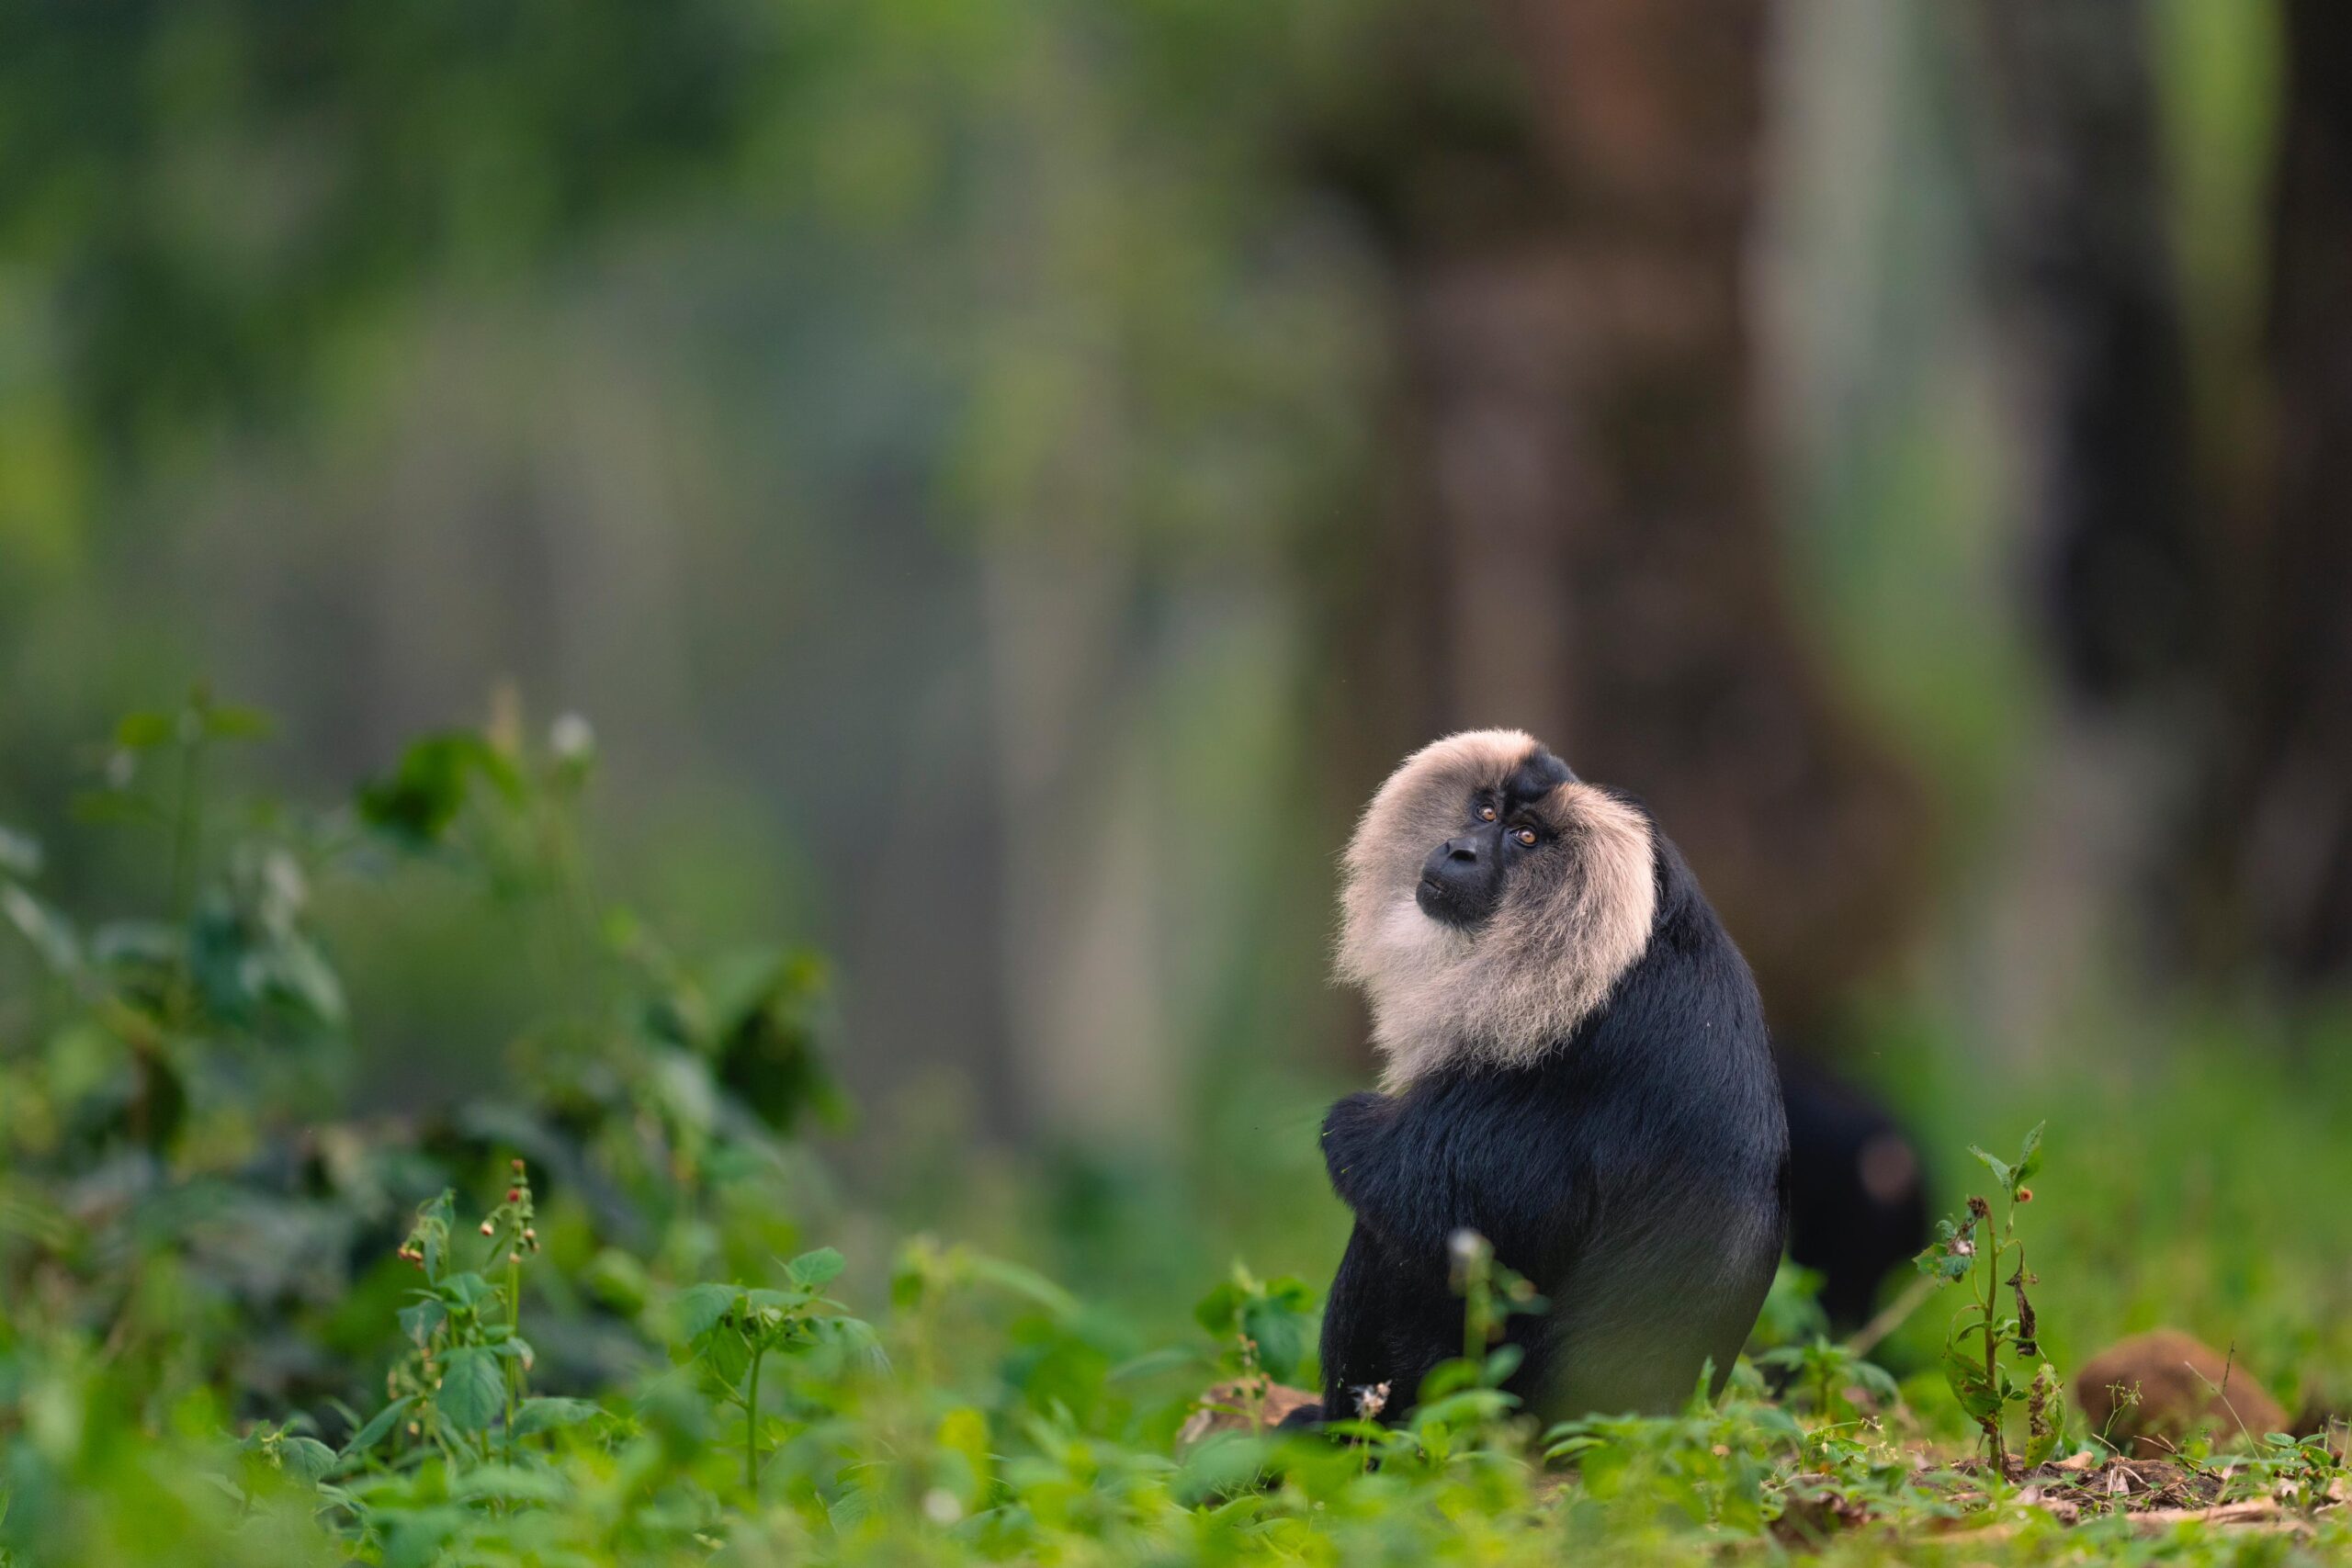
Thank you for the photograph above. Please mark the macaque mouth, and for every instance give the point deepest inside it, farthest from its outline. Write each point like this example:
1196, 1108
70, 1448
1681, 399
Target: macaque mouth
1465, 902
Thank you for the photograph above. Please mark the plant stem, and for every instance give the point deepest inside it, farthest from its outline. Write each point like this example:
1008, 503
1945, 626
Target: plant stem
1992, 1348
514, 1330
184, 827
752, 1426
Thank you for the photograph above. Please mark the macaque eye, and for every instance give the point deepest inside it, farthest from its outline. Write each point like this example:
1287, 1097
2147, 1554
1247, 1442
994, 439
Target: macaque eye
1486, 814
1526, 836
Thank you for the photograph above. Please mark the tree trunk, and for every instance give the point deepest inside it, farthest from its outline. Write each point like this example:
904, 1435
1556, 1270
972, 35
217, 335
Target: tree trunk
1585, 550
2281, 805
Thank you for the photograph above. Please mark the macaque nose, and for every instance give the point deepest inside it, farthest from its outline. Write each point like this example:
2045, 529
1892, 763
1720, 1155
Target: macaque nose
1462, 881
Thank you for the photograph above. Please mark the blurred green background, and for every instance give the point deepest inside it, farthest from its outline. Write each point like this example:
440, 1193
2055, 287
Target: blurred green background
1006, 479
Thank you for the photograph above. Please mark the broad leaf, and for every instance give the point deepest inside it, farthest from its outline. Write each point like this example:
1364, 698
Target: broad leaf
419, 1321
812, 1269
383, 1421
472, 1391
698, 1308
305, 1457
547, 1415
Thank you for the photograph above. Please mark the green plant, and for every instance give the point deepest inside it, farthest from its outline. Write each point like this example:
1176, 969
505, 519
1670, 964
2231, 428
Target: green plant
731, 1331
1266, 1329
1829, 1373
2310, 1471
1976, 1249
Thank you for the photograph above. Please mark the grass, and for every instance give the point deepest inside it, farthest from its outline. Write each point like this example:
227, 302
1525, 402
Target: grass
600, 1304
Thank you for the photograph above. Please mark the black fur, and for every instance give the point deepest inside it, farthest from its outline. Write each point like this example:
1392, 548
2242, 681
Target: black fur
1636, 1173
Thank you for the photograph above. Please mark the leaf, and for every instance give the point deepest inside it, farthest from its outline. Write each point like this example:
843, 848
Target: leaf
19, 853
1969, 1385
144, 731
427, 788
2000, 1169
2030, 1156
2045, 1415
547, 1415
698, 1308
468, 1290
418, 1322
513, 1483
383, 1421
472, 1390
1219, 1312
1283, 1333
232, 723
812, 1269
305, 1457
50, 933
860, 1347
1026, 1284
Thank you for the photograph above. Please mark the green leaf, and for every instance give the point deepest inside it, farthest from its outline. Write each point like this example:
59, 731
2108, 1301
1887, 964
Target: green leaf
418, 1322
860, 1347
144, 730
2000, 1169
383, 1421
472, 1390
1025, 1282
305, 1457
427, 788
1219, 1312
698, 1308
1283, 1335
1970, 1386
469, 1289
812, 1269
548, 1414
231, 723
2030, 1157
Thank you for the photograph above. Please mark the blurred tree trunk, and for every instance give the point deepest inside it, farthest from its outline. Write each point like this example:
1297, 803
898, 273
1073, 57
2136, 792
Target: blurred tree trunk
2278, 852
2072, 193
1565, 188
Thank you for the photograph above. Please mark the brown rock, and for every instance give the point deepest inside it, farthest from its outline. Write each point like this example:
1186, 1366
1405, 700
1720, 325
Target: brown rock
2182, 1384
1242, 1406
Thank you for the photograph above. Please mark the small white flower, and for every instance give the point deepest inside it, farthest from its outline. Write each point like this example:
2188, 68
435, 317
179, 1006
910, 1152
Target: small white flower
1372, 1399
570, 738
941, 1508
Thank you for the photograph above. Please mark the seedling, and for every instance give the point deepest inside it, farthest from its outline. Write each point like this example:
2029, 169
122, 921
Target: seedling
731, 1331
1977, 1250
